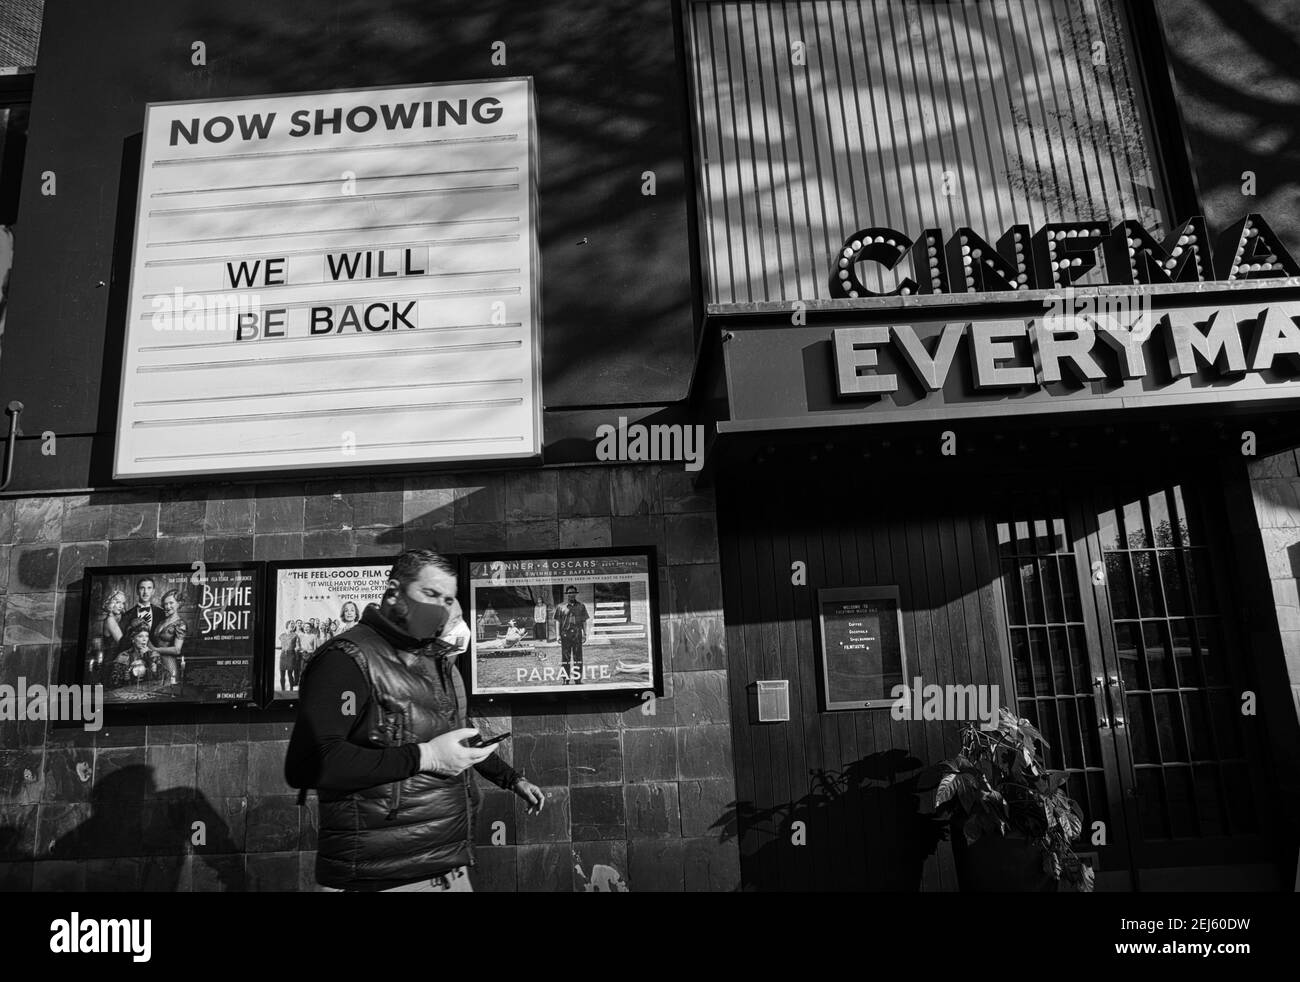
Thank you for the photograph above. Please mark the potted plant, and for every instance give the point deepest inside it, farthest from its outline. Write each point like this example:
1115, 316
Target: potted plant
1011, 820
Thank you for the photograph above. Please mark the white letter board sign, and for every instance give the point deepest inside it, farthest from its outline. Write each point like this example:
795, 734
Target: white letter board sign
333, 280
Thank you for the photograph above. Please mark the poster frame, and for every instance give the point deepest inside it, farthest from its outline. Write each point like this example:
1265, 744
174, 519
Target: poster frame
267, 697
132, 712
833, 594
567, 693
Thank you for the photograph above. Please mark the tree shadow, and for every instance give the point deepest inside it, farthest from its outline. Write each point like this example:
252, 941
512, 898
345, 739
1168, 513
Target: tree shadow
865, 817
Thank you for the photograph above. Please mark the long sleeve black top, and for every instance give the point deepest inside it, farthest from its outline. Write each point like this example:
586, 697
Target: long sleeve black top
326, 753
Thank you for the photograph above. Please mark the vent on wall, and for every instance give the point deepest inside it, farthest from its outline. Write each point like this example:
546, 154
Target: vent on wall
770, 702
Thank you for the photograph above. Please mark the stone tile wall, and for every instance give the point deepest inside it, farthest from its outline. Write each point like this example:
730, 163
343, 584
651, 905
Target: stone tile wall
634, 788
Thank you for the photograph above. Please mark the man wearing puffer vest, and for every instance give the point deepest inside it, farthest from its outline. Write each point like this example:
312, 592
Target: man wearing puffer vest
379, 734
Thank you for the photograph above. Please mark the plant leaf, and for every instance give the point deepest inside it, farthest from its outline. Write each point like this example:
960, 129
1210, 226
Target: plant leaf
997, 804
1086, 879
966, 788
1052, 865
944, 792
1070, 821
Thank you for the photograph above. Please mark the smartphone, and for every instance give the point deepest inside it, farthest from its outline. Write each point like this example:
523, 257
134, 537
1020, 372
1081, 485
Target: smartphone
477, 740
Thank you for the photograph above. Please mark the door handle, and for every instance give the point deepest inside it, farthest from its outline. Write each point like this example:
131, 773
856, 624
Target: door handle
1117, 685
1103, 717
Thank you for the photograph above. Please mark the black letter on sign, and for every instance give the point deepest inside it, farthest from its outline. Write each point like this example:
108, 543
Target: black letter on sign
319, 314
877, 245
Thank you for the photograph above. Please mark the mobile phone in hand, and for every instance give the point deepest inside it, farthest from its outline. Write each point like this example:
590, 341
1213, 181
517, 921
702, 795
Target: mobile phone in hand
477, 740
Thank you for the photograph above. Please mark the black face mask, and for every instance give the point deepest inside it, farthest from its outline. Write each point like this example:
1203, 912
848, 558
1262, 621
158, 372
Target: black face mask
425, 621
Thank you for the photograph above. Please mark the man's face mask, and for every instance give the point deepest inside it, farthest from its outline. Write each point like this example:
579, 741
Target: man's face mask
424, 620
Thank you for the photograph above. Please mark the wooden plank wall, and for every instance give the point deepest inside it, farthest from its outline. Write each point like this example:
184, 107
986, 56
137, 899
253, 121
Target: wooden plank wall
849, 533
907, 114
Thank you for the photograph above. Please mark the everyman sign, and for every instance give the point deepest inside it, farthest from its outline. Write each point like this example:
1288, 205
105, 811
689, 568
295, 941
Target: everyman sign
1064, 359
334, 279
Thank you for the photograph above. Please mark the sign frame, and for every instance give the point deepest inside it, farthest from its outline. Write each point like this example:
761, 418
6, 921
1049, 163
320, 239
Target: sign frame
148, 709
531, 452
827, 595
271, 623
477, 690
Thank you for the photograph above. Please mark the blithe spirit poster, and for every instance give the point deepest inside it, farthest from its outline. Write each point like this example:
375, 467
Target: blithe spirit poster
171, 634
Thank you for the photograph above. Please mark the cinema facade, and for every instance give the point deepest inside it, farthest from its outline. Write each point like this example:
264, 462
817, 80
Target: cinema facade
992, 346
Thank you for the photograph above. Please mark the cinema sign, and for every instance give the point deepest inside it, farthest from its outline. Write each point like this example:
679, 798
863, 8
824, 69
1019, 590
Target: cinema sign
1234, 352
334, 280
1062, 254
1118, 320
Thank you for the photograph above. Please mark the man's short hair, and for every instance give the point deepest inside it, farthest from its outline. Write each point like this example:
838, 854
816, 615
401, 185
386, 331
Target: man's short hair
407, 566
145, 579
570, 589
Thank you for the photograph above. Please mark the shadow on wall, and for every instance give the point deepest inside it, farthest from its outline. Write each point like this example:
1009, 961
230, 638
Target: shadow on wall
812, 840
1236, 66
609, 110
180, 821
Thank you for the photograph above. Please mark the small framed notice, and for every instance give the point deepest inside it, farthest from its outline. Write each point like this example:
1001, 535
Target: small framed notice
862, 651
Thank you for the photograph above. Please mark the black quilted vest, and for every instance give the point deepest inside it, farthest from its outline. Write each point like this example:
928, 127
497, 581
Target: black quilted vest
412, 829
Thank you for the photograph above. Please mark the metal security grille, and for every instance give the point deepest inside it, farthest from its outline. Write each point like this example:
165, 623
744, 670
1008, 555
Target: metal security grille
815, 119
1183, 706
1049, 647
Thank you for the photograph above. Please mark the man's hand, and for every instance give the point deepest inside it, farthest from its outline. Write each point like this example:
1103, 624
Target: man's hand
446, 756
532, 794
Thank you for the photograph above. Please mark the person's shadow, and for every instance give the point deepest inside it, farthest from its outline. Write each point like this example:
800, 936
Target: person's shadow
130, 817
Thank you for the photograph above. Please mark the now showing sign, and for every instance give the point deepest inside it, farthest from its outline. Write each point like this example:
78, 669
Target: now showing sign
334, 279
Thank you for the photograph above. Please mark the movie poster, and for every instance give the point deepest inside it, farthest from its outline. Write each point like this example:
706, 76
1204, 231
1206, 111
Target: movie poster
563, 622
171, 635
314, 602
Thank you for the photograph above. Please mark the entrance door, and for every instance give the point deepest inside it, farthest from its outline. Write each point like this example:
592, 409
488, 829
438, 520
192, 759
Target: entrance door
1126, 656
1058, 667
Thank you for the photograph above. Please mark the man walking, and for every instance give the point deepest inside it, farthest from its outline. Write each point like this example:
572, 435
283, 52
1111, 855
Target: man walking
379, 733
571, 622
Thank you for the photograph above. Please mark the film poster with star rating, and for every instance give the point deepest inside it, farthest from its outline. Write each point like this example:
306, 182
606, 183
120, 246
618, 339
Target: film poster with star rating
314, 602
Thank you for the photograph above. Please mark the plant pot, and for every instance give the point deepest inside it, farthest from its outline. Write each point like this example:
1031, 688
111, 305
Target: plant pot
999, 864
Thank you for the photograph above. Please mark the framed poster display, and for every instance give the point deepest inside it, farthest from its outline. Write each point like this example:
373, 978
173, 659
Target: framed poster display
860, 634
310, 601
171, 635
570, 621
